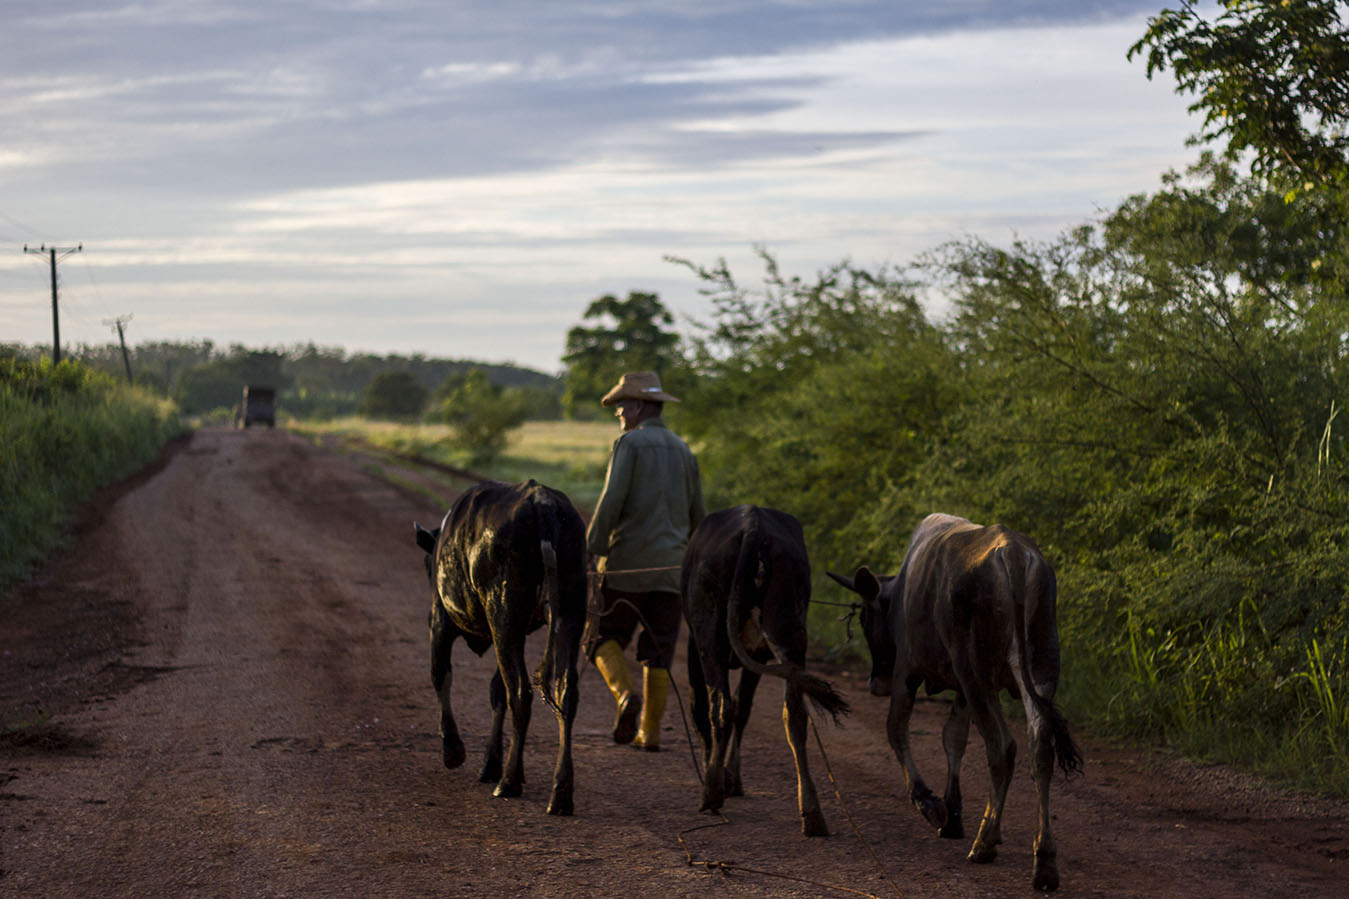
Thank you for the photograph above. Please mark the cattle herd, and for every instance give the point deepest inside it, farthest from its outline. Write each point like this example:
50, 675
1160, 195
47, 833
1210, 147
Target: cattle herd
972, 610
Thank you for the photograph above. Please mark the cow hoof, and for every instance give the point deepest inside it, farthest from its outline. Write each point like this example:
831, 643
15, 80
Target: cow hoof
734, 787
812, 824
1046, 876
560, 805
507, 790
453, 754
982, 853
712, 802
491, 771
953, 829
933, 810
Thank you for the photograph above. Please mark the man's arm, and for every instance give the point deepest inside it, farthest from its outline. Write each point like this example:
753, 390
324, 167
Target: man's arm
617, 481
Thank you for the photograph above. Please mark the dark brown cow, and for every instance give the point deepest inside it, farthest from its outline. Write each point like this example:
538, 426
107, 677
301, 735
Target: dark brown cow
972, 610
746, 585
506, 560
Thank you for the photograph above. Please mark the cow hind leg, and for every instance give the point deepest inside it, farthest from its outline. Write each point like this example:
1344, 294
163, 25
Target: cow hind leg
1045, 728
794, 719
789, 648
491, 762
698, 708
719, 712
954, 738
1001, 750
519, 697
565, 650
744, 704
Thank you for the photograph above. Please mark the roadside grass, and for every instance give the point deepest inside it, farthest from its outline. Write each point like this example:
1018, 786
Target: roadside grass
569, 456
1223, 698
66, 431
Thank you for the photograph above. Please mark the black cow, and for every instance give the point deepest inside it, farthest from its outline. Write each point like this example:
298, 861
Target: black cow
507, 559
746, 585
972, 610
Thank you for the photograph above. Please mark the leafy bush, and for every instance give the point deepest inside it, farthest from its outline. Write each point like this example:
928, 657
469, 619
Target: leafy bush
1146, 398
480, 414
66, 430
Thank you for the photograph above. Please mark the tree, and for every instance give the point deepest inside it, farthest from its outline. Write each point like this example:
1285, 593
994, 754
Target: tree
220, 382
1269, 76
630, 337
480, 414
811, 395
394, 394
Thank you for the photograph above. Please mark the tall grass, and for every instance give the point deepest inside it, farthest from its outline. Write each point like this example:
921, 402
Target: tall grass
65, 431
1225, 692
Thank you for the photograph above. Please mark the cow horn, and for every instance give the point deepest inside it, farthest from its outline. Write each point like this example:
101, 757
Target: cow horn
842, 579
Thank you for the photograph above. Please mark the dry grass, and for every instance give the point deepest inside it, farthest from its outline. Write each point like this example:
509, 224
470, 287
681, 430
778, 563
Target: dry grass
568, 455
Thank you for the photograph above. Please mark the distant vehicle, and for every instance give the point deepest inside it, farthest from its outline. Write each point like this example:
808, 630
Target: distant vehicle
259, 405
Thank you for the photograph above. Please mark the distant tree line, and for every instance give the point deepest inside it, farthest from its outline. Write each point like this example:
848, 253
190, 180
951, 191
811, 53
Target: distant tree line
312, 381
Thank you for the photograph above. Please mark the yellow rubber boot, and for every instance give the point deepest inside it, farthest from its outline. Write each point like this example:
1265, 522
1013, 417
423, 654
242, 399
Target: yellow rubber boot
655, 687
614, 669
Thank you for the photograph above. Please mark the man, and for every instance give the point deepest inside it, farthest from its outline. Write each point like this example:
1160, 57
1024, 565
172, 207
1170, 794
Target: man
651, 502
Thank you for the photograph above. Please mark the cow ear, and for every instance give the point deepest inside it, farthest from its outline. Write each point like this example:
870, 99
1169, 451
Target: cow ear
426, 539
866, 584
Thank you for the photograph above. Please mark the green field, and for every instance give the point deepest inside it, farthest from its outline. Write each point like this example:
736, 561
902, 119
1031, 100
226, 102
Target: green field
570, 456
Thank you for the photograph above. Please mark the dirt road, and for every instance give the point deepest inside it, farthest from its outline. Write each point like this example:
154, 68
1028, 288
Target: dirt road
222, 689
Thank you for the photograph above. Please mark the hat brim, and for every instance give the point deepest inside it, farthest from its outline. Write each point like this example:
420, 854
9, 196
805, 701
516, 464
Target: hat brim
624, 392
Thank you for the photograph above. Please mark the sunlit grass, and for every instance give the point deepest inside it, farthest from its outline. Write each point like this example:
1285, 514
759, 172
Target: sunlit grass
570, 456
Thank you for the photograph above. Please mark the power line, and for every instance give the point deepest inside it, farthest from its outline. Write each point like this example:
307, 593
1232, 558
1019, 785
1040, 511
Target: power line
56, 319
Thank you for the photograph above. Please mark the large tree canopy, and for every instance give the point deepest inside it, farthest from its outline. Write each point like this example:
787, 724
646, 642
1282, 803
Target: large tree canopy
631, 335
1269, 76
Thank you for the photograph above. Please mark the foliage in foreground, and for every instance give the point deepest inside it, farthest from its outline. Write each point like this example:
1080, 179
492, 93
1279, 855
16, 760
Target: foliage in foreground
66, 430
1153, 401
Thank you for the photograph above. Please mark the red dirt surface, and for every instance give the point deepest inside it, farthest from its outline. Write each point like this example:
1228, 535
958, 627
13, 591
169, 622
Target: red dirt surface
221, 688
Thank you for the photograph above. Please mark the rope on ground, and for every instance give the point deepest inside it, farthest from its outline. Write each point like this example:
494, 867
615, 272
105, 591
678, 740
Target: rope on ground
729, 868
847, 814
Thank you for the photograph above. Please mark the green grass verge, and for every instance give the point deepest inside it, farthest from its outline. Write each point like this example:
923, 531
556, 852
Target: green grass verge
65, 431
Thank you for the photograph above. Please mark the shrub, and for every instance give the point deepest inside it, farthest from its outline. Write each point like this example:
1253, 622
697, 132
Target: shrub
66, 431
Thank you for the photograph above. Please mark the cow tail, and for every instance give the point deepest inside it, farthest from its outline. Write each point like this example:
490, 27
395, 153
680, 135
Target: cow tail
1066, 753
743, 588
551, 588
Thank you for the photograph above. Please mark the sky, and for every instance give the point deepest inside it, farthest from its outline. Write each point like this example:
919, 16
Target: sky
461, 178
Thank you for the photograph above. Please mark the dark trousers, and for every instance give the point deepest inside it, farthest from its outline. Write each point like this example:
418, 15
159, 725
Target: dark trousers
621, 611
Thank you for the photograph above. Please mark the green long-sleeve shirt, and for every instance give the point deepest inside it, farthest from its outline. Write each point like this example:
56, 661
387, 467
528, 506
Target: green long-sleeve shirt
651, 502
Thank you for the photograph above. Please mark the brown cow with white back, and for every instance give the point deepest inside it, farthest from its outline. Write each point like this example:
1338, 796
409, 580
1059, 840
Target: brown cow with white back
971, 610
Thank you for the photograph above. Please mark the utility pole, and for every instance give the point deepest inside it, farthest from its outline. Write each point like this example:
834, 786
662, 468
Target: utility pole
56, 319
118, 323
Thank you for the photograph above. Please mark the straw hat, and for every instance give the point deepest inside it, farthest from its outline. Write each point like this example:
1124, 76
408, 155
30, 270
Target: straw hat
638, 385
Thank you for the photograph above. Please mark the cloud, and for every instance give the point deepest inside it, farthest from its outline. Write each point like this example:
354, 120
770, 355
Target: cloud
238, 167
